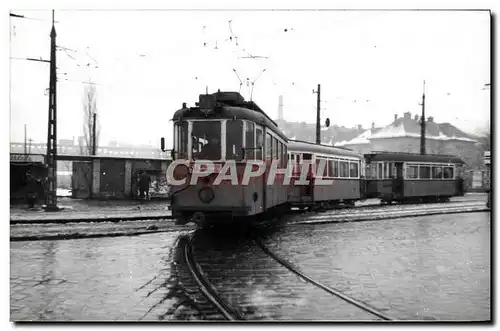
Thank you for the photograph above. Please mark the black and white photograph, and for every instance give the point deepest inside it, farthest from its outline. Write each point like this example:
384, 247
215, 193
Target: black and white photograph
250, 165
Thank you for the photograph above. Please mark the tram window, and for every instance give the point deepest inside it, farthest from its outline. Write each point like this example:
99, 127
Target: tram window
234, 140
425, 172
181, 139
389, 170
275, 149
381, 170
278, 152
259, 144
269, 146
317, 167
353, 169
323, 164
285, 153
206, 140
344, 169
330, 168
448, 172
412, 172
437, 172
250, 140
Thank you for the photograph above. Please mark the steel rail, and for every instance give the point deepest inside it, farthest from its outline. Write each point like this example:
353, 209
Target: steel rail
328, 289
208, 290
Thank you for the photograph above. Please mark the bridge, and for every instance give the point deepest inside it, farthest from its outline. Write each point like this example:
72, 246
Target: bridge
75, 150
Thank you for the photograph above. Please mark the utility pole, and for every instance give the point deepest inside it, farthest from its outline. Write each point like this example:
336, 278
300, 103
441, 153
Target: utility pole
422, 125
51, 188
318, 115
25, 141
94, 134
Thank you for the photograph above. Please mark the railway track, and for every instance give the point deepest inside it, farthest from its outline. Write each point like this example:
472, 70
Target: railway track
204, 285
234, 313
56, 231
346, 298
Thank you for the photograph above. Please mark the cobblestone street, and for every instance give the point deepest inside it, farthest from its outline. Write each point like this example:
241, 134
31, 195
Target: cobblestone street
422, 268
103, 279
433, 267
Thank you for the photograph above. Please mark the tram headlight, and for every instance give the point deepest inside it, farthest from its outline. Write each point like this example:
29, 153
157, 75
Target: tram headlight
206, 194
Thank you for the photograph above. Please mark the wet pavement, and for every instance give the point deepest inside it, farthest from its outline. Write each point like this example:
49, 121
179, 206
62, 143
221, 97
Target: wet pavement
422, 268
82, 209
260, 289
103, 279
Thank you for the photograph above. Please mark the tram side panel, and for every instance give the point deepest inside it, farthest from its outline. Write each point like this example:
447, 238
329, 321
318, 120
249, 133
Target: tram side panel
430, 187
340, 189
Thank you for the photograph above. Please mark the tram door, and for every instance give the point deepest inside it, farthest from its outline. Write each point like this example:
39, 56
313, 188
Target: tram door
398, 181
308, 190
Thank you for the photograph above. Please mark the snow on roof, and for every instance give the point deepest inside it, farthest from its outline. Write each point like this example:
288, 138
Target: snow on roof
398, 129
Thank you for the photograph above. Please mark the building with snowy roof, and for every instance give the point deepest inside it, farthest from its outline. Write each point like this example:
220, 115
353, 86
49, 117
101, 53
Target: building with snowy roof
403, 135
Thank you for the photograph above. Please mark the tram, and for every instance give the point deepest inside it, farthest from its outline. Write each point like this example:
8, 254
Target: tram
225, 129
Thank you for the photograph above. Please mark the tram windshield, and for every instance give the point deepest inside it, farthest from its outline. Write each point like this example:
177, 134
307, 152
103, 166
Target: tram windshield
206, 140
181, 140
234, 142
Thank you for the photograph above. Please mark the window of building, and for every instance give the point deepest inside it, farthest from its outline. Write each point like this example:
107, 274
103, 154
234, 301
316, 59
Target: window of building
424, 172
412, 172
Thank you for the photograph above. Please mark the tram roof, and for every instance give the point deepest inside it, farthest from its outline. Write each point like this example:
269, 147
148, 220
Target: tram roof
412, 157
304, 146
232, 107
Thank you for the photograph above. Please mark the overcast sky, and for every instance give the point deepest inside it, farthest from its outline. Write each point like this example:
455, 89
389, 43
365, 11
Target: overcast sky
370, 66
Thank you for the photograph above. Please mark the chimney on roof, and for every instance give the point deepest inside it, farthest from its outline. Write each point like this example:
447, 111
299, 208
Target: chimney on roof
415, 117
407, 115
395, 117
430, 119
373, 125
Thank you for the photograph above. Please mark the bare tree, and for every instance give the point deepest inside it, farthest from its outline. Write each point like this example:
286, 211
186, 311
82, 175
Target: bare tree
89, 109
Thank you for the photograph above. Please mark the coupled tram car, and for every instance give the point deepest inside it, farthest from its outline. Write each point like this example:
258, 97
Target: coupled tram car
224, 128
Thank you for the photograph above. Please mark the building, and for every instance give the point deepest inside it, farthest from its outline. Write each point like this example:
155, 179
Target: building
403, 135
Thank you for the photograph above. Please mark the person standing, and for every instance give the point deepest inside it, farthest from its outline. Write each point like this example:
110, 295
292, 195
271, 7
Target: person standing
144, 183
32, 183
